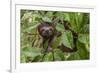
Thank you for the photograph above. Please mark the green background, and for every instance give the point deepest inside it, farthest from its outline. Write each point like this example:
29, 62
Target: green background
31, 49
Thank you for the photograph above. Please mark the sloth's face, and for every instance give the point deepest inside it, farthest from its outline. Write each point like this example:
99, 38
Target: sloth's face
46, 30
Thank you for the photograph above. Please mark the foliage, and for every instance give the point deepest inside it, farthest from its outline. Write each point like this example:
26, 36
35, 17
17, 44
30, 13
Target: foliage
31, 47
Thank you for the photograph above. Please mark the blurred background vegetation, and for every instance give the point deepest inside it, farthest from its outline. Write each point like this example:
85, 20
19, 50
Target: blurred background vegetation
31, 42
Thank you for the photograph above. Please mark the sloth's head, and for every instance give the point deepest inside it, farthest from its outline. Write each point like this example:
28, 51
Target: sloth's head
46, 30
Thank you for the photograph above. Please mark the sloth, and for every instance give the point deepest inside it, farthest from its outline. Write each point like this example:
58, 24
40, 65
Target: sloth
48, 32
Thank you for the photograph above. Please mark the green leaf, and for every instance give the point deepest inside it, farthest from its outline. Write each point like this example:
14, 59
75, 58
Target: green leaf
83, 38
57, 42
84, 54
46, 19
23, 59
85, 28
81, 54
60, 27
67, 39
48, 57
74, 56
49, 14
31, 27
37, 59
58, 55
66, 16
30, 53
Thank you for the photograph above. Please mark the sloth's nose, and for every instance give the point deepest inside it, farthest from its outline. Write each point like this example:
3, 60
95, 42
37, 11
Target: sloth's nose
48, 31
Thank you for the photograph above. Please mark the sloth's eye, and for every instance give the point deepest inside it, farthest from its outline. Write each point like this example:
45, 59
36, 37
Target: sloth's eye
50, 29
